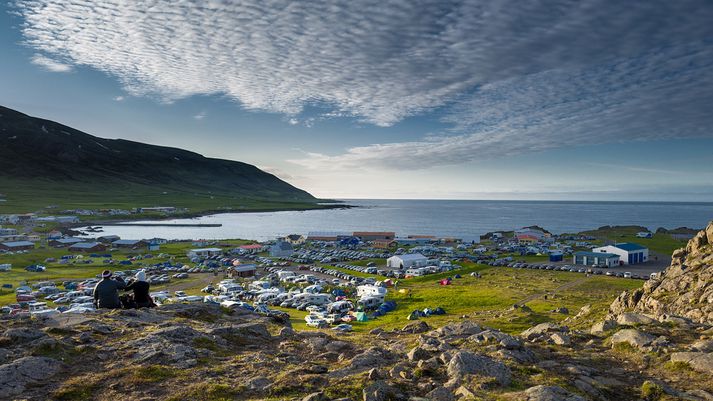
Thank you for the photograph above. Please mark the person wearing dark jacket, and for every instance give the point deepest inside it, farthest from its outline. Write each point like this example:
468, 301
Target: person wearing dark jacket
106, 292
141, 289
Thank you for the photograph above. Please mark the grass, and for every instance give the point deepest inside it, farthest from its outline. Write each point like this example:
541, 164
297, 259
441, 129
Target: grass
660, 243
152, 374
208, 391
490, 298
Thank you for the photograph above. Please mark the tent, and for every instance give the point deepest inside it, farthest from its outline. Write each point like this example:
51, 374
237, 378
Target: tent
414, 315
361, 317
445, 281
388, 282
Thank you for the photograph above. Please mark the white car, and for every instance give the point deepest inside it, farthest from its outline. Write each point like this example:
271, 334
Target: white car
343, 328
314, 321
180, 294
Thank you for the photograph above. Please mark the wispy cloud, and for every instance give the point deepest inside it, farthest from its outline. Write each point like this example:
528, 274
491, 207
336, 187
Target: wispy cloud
509, 76
200, 116
119, 98
50, 64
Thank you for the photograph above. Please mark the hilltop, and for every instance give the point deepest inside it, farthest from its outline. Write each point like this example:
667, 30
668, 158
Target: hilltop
207, 352
42, 159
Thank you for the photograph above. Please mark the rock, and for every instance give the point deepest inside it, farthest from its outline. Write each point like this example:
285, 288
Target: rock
562, 310
378, 391
497, 337
541, 329
602, 327
700, 361
338, 346
287, 332
549, 393
587, 388
416, 327
467, 363
633, 337
376, 331
631, 318
22, 335
319, 396
371, 357
374, 374
17, 375
465, 393
560, 338
396, 372
85, 337
258, 383
418, 353
460, 329
251, 332
705, 345
440, 394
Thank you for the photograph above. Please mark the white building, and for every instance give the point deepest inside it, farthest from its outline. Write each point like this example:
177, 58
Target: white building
407, 261
629, 253
204, 252
281, 249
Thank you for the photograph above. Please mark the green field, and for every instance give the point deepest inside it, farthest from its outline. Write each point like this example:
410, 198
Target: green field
490, 298
660, 243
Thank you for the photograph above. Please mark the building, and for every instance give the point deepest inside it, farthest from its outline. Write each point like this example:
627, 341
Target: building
644, 234
251, 248
407, 261
281, 249
415, 240
204, 252
9, 218
11, 238
8, 231
108, 239
329, 236
596, 259
296, 239
374, 235
87, 247
17, 246
157, 209
383, 243
246, 270
556, 256
54, 234
62, 242
629, 252
527, 239
128, 243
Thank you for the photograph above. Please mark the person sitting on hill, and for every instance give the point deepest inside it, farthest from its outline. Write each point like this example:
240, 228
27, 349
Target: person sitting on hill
106, 292
141, 289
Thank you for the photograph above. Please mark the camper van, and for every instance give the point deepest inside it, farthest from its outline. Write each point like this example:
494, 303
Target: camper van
312, 299
416, 272
285, 274
364, 291
5, 267
367, 303
340, 307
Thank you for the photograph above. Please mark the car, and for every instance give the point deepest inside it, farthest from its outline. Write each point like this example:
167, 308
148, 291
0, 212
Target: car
314, 321
208, 289
180, 294
344, 328
627, 275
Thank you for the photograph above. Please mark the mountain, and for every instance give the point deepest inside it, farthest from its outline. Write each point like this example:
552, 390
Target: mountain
37, 150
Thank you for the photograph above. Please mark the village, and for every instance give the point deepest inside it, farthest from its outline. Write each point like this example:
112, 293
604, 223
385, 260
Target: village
330, 279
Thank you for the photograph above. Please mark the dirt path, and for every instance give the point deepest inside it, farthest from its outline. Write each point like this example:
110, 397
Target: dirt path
563, 287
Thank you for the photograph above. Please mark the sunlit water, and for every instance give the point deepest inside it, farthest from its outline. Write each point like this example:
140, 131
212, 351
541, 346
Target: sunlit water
463, 219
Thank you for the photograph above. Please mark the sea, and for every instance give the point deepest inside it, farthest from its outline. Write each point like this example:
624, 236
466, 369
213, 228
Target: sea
466, 219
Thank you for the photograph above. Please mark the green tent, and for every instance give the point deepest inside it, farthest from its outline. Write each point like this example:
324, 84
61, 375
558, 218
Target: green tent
361, 317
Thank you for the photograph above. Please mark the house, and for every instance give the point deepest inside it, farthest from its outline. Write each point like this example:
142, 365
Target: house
296, 239
407, 261
374, 235
383, 243
153, 246
128, 243
530, 236
62, 242
527, 239
204, 252
87, 247
9, 218
156, 240
629, 252
108, 239
251, 248
281, 249
596, 259
54, 234
11, 238
245, 270
17, 246
8, 231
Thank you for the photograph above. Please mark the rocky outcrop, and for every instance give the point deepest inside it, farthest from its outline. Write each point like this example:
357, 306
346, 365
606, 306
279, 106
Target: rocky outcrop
684, 289
17, 375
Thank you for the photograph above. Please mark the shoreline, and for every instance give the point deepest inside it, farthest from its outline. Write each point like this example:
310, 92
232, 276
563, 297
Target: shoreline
193, 215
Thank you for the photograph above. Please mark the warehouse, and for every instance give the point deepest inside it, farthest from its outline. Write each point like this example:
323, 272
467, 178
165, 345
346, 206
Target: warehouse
407, 261
629, 253
602, 259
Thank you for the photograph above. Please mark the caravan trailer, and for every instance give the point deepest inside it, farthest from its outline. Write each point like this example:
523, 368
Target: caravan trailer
374, 291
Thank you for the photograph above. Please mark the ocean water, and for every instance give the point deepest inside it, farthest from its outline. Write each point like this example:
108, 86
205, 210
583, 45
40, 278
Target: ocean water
458, 218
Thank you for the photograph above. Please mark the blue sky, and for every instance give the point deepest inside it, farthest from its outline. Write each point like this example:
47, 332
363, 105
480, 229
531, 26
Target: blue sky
591, 99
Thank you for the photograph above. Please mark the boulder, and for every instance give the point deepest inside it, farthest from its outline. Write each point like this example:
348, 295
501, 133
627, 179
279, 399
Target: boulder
549, 393
702, 345
440, 394
602, 327
319, 396
417, 354
17, 375
540, 330
416, 327
378, 391
467, 363
22, 335
250, 332
635, 338
699, 361
258, 383
632, 318
560, 339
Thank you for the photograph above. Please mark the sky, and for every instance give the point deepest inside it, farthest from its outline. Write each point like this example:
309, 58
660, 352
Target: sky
431, 99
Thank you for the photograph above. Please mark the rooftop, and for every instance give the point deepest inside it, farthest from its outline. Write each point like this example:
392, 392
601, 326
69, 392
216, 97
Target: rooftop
630, 246
596, 254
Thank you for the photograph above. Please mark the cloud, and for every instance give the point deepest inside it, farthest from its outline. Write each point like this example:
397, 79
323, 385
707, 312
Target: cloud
381, 61
200, 116
119, 98
50, 64
662, 94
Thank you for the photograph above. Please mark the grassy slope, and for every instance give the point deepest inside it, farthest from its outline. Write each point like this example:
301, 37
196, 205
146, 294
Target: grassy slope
660, 243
